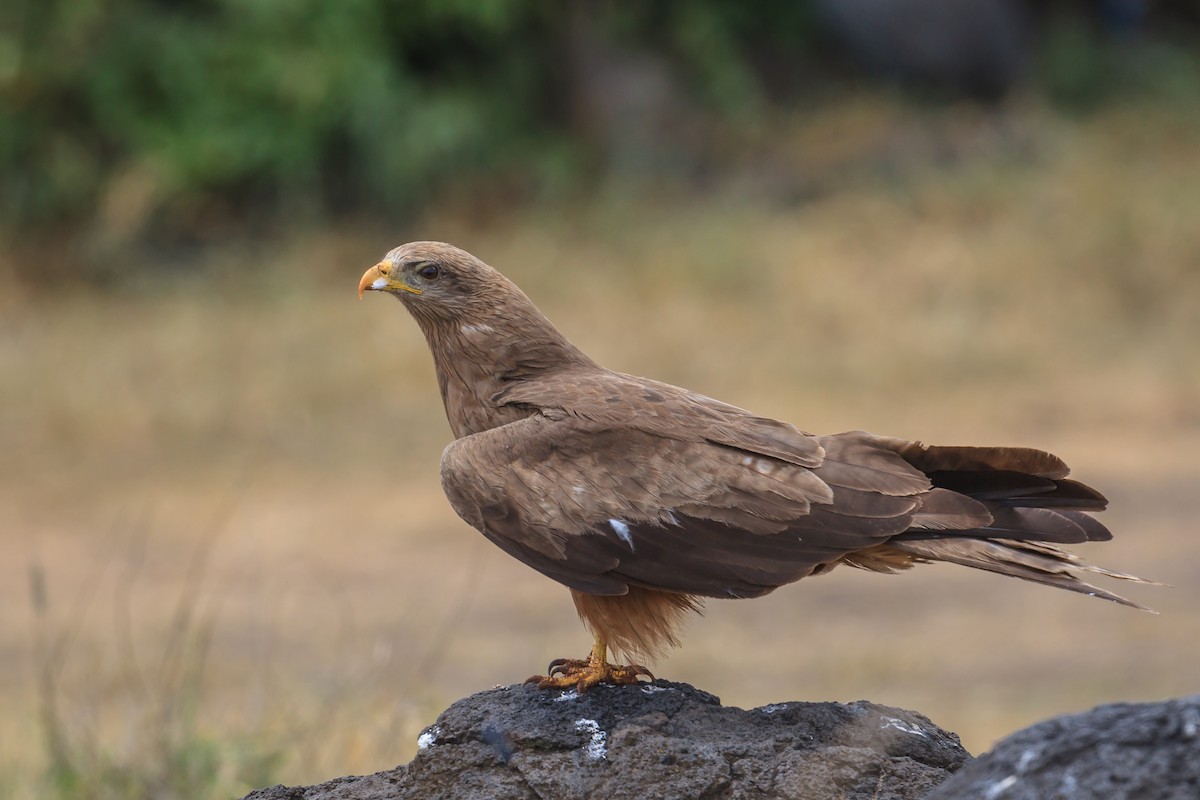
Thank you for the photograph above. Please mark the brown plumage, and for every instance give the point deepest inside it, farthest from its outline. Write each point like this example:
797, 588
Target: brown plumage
643, 498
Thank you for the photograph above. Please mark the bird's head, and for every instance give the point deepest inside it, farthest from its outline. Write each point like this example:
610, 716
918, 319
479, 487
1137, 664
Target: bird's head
435, 279
461, 303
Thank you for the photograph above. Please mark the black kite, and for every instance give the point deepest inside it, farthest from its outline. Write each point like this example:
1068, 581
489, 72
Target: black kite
642, 497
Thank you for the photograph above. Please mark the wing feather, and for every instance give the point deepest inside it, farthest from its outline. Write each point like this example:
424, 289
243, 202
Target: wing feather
598, 508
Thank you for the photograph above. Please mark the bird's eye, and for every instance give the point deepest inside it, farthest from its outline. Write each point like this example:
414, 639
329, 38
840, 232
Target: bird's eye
429, 272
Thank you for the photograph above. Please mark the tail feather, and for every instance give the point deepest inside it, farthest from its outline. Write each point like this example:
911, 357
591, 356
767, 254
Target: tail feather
1023, 460
1033, 508
1031, 561
1066, 494
1033, 524
1096, 531
1016, 488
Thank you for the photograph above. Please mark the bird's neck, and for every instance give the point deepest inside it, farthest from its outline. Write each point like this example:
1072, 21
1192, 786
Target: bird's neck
477, 360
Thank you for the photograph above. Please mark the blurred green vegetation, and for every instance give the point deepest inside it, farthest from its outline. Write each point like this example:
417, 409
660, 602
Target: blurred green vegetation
211, 107
131, 120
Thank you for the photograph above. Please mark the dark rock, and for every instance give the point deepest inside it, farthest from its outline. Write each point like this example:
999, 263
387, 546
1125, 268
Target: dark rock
1116, 752
660, 740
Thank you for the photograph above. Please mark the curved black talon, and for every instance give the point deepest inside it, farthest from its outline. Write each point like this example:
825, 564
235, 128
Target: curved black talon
638, 669
565, 666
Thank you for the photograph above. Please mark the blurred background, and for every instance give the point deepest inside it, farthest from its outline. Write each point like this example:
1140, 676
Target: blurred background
225, 557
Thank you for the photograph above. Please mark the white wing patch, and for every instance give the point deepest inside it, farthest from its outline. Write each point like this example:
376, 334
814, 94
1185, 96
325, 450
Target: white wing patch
622, 530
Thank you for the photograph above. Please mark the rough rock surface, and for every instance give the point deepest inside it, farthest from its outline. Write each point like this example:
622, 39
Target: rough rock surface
1124, 751
660, 740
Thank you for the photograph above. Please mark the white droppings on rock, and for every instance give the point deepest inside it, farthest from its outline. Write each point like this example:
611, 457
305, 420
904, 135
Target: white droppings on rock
566, 696
428, 738
995, 790
597, 746
651, 689
901, 725
773, 707
1190, 725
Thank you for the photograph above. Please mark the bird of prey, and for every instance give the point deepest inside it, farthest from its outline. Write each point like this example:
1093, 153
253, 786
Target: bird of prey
644, 498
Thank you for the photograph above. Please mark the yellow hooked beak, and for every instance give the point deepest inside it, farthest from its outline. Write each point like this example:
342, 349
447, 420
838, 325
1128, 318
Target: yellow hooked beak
379, 279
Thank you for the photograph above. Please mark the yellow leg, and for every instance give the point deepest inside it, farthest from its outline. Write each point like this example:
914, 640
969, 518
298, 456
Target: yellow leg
582, 674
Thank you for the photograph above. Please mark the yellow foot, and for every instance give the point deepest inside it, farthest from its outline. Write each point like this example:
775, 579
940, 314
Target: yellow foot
582, 674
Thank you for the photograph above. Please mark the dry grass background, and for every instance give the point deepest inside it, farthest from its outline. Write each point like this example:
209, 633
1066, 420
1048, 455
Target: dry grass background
226, 559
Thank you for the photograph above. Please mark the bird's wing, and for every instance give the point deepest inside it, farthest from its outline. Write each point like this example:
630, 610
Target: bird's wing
627, 401
600, 507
